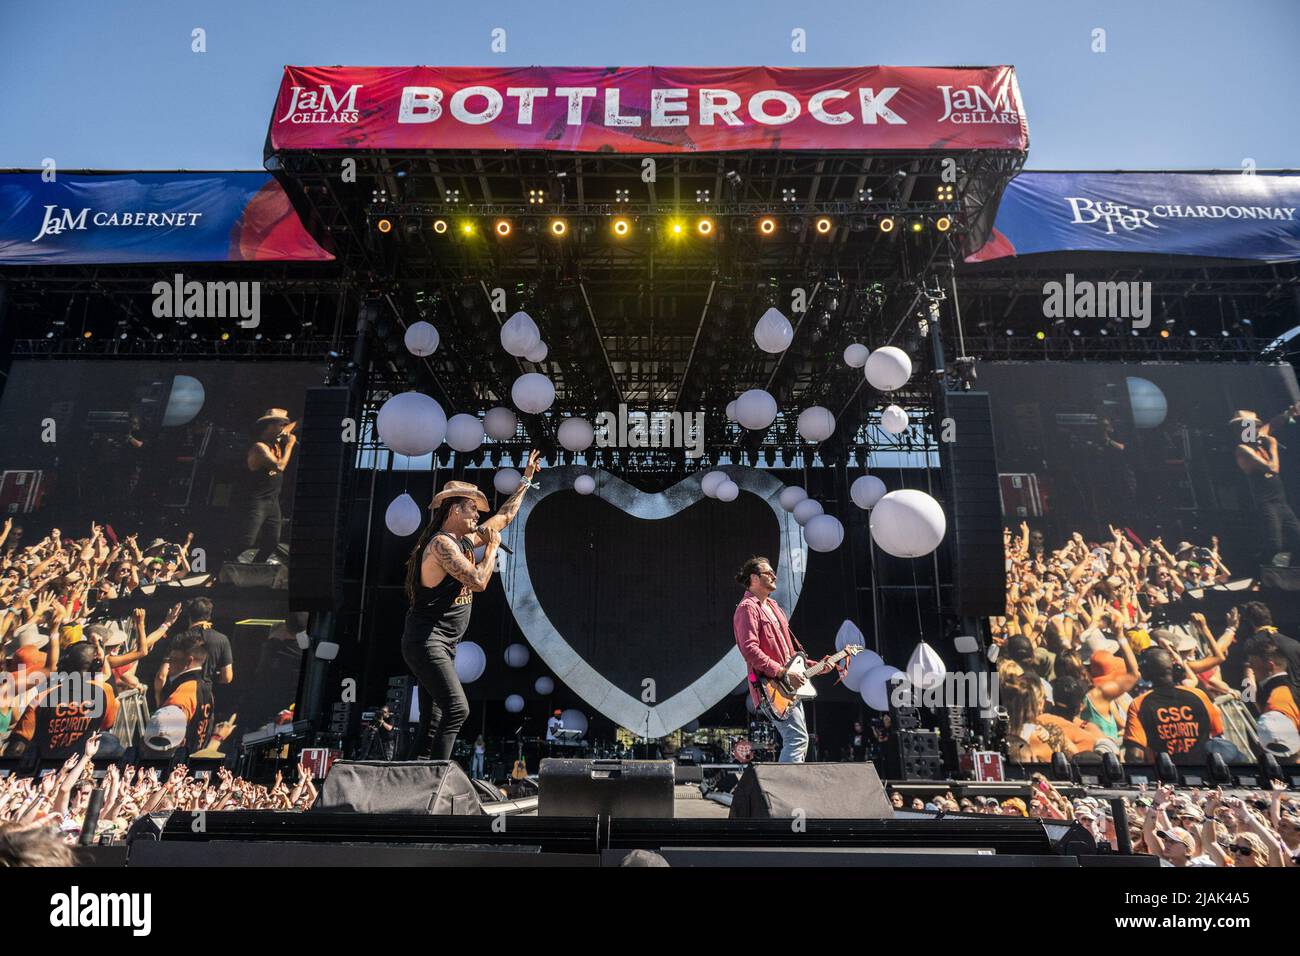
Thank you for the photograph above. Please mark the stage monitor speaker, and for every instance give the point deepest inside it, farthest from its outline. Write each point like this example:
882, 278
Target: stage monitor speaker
315, 534
974, 504
622, 788
426, 787
825, 790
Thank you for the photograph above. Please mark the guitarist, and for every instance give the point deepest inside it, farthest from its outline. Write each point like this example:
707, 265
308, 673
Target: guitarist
764, 638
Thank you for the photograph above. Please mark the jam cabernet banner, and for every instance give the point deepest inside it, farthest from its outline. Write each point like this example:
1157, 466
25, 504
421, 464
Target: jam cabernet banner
150, 217
649, 109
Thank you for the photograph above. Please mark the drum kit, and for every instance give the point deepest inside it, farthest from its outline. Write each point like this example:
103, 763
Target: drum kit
763, 744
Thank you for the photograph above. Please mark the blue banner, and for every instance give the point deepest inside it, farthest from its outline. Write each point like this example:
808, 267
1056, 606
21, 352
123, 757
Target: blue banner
149, 217
1219, 215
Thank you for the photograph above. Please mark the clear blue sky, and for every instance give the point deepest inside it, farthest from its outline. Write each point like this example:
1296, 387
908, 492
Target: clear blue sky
112, 84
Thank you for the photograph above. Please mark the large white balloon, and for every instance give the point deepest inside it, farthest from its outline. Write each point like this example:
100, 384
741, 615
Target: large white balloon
514, 704
501, 423
537, 353
532, 392
755, 409
866, 491
1149, 403
403, 516
464, 432
709, 483
888, 368
859, 667
470, 662
506, 481
925, 668
421, 339
544, 685
574, 720
855, 356
517, 655
791, 496
894, 420
773, 333
584, 484
519, 334
731, 410
875, 686
816, 423
576, 434
823, 532
806, 510
907, 523
411, 423
849, 633
728, 491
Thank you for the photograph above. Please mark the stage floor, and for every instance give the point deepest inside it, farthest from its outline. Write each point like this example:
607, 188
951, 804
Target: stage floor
688, 804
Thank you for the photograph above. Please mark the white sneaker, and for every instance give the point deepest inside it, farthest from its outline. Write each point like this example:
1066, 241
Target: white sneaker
1282, 559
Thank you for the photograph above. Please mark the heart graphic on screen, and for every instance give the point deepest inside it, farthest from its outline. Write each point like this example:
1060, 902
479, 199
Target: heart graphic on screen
628, 595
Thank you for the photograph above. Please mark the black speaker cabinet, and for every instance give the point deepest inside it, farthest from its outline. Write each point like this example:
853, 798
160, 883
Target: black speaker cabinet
830, 790
430, 787
620, 788
315, 534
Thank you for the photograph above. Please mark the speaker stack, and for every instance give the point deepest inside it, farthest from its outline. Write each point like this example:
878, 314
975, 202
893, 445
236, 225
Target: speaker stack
315, 534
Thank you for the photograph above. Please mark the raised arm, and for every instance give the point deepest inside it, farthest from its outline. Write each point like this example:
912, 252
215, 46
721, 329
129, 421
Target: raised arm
506, 513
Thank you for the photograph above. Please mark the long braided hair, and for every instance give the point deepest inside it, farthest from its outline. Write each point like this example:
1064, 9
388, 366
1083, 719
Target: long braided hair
417, 553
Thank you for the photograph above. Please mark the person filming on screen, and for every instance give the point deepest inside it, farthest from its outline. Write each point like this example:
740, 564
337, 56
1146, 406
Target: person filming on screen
1257, 457
258, 492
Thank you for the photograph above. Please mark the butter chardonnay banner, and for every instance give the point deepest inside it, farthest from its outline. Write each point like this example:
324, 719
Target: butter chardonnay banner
649, 109
150, 217
1230, 215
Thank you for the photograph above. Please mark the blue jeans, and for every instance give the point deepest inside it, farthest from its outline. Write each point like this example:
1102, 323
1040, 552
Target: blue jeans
476, 766
794, 734
1227, 750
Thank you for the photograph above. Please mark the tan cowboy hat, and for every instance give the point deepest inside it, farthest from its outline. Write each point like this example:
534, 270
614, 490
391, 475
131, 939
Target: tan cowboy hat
1244, 415
278, 415
460, 489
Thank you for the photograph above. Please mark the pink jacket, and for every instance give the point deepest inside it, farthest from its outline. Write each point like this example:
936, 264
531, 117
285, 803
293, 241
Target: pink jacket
765, 647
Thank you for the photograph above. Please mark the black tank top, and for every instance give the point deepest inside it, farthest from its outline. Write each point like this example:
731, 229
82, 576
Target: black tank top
443, 609
263, 482
1265, 485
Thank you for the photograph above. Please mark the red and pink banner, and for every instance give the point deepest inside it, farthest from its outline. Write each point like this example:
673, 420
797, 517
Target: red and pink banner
649, 109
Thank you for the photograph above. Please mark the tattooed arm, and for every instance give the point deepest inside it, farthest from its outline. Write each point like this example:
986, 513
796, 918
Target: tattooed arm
507, 512
443, 552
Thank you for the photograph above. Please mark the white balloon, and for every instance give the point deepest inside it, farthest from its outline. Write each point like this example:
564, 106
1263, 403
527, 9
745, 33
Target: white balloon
709, 483
514, 704
532, 392
403, 516
731, 410
849, 633
791, 496
421, 338
925, 668
537, 353
506, 481
888, 368
855, 356
866, 491
816, 423
517, 655
894, 420
574, 720
823, 532
773, 333
1147, 401
584, 484
576, 434
500, 423
858, 668
544, 686
875, 686
464, 432
470, 662
806, 510
411, 423
728, 491
907, 523
755, 409
519, 334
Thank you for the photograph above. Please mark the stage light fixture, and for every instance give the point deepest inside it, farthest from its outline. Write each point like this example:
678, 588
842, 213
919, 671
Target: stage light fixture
412, 228
622, 227
559, 228
767, 225
225, 336
467, 228
887, 224
945, 192
824, 225
440, 226
917, 225
536, 197
1040, 335
704, 226
385, 226
943, 224
794, 224
503, 227
676, 228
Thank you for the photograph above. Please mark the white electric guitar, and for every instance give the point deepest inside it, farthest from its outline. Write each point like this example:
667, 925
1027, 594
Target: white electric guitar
779, 695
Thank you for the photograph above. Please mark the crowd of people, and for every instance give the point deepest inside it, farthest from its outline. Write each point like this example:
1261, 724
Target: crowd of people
1183, 827
1100, 651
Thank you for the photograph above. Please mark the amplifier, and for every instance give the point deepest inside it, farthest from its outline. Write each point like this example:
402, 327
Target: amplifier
625, 788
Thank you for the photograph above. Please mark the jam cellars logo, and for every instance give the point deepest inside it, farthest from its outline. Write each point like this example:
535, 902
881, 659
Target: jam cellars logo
1109, 214
321, 105
971, 104
59, 219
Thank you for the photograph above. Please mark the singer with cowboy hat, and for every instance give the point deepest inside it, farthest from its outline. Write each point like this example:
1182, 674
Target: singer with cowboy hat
1257, 457
441, 578
257, 533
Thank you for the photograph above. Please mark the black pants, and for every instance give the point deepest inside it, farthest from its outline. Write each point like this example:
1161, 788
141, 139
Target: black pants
1281, 528
259, 525
443, 707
